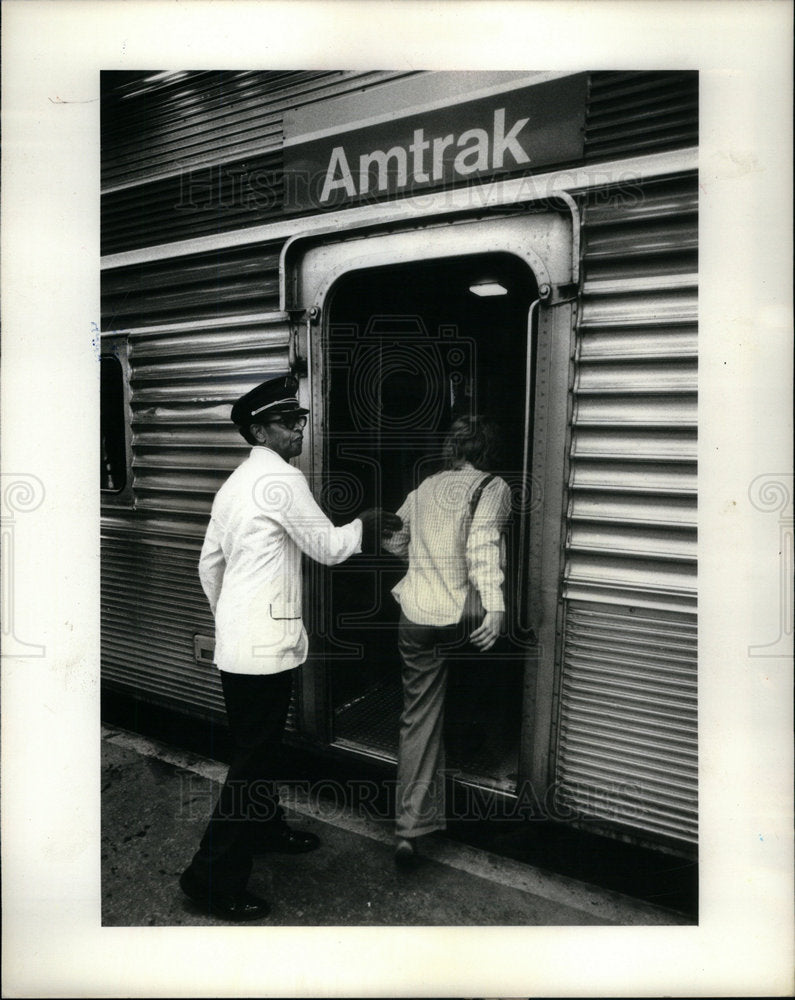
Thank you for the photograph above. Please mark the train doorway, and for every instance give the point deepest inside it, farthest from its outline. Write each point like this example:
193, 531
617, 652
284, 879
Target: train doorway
408, 348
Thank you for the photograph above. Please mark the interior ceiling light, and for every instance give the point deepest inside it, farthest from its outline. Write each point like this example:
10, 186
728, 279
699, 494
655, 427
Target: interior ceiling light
488, 288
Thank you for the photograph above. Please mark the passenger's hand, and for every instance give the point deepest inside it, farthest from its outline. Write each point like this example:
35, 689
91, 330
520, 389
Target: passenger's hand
489, 630
376, 523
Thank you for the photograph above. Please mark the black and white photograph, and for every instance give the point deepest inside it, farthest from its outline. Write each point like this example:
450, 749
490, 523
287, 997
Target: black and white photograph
455, 315
440, 454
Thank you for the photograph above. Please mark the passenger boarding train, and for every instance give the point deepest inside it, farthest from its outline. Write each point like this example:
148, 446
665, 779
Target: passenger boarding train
415, 247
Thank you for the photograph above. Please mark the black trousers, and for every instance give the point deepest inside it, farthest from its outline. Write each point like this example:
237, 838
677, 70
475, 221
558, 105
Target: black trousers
248, 806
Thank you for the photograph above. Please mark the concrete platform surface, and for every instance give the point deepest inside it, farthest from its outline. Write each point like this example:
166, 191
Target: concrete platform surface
155, 804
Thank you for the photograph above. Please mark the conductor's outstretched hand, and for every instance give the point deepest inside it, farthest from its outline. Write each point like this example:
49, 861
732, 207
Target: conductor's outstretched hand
377, 524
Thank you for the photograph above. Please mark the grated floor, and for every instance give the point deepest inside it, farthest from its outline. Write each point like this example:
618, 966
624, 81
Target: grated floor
483, 750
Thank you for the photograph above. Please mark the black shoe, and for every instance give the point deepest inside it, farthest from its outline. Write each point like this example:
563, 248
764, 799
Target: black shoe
406, 856
287, 841
240, 906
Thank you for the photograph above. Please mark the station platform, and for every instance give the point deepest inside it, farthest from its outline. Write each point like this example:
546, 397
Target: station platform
155, 803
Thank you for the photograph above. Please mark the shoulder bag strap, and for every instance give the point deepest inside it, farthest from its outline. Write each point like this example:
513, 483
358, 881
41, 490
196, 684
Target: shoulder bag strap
475, 499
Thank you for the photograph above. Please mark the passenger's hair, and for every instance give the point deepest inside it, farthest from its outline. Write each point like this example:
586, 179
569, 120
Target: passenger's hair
471, 439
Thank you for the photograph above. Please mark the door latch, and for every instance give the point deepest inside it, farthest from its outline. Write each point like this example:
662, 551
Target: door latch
300, 331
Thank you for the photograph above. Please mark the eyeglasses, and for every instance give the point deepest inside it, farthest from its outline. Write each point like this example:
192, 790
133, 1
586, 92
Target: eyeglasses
290, 423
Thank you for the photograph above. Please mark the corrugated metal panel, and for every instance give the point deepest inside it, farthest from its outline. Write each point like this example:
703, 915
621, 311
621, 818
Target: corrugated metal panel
199, 289
674, 410
627, 752
634, 430
635, 112
198, 201
627, 701
200, 332
152, 127
643, 231
152, 606
193, 154
184, 445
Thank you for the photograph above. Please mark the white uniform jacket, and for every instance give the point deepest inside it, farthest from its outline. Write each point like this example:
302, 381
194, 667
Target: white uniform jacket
263, 518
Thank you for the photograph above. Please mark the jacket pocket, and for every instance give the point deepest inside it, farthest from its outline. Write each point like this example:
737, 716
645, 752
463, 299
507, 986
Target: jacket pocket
285, 611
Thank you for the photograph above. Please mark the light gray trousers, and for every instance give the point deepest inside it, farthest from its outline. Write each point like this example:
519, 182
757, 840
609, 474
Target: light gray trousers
420, 798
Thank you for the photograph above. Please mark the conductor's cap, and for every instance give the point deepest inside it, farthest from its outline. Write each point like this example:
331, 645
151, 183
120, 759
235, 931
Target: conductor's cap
270, 398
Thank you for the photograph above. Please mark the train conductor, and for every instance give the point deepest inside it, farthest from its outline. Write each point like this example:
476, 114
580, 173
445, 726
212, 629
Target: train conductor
264, 518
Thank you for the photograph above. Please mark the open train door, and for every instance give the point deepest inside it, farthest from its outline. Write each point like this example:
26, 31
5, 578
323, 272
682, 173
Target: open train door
397, 334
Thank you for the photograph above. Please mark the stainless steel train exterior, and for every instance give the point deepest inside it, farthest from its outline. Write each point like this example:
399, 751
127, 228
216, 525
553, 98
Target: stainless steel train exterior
260, 222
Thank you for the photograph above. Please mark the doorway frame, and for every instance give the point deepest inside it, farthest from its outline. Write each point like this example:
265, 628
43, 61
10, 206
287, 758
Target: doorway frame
546, 240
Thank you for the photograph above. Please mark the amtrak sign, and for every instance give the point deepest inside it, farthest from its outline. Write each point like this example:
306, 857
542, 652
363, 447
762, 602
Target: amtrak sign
517, 131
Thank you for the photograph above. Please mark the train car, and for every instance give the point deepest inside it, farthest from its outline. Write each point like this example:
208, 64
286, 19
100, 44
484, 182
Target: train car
415, 246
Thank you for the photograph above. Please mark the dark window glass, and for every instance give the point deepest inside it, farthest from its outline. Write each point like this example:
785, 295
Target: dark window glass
113, 457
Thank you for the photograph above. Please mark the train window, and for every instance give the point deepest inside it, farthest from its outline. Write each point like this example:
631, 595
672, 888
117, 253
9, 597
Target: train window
113, 431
